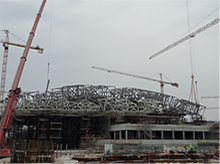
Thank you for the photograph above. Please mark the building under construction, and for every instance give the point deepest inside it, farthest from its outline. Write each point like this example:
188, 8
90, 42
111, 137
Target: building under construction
83, 116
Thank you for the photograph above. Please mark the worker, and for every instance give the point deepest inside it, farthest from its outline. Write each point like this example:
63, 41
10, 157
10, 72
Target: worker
185, 147
195, 147
191, 147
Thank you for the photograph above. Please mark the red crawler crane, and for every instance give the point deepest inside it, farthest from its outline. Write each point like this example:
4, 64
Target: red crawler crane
14, 93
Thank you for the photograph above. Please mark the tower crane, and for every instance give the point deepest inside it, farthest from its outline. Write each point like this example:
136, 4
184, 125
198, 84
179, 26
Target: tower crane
14, 93
6, 44
141, 77
192, 35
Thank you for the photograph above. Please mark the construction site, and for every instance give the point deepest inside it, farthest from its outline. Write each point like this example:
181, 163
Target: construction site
85, 117
103, 123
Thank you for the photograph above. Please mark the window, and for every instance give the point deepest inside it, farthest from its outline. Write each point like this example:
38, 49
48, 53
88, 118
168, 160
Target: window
178, 135
112, 135
188, 135
167, 135
207, 135
156, 134
132, 134
117, 134
123, 134
198, 135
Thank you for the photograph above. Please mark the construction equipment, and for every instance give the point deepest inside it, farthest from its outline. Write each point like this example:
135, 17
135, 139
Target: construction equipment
40, 50
210, 97
192, 35
141, 77
6, 44
214, 108
14, 93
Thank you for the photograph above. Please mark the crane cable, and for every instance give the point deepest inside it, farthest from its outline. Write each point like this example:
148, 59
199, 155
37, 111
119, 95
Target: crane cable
190, 45
51, 18
50, 37
17, 37
193, 90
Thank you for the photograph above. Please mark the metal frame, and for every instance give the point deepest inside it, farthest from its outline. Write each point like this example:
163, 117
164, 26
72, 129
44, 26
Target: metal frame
82, 99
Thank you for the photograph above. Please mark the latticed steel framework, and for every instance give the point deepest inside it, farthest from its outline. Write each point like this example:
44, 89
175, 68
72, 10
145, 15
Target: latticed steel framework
81, 99
73, 116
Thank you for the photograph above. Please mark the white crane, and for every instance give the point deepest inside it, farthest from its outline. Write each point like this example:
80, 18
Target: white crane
192, 35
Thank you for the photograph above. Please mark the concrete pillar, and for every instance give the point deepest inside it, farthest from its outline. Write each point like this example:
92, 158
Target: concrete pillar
173, 135
139, 134
120, 134
114, 134
66, 148
203, 135
61, 149
183, 135
151, 134
126, 134
193, 135
162, 135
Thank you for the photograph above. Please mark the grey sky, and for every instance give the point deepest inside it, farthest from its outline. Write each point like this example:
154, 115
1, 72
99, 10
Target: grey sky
119, 35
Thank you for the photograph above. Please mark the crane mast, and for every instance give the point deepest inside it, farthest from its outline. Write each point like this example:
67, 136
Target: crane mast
141, 77
4, 66
10, 107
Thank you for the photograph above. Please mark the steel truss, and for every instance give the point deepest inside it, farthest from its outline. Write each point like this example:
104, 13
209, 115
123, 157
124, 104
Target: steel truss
75, 116
85, 99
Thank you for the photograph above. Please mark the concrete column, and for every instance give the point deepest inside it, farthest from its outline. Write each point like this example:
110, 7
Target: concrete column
61, 148
126, 134
193, 135
203, 135
120, 134
173, 135
183, 135
66, 148
114, 135
139, 134
151, 134
162, 135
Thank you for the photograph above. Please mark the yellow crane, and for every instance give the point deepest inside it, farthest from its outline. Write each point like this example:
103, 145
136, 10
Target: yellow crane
6, 44
141, 77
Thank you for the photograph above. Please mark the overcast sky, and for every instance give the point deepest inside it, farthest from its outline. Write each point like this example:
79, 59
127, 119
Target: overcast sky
117, 35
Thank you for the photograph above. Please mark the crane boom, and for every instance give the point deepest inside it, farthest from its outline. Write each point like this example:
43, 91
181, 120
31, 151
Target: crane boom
40, 50
8, 114
141, 77
192, 35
